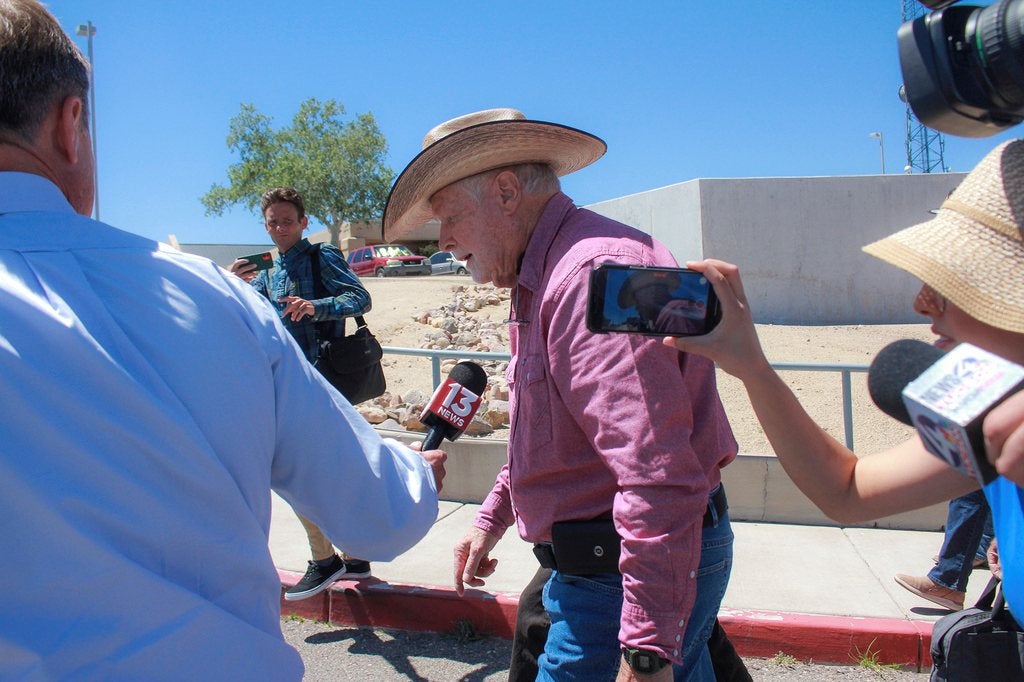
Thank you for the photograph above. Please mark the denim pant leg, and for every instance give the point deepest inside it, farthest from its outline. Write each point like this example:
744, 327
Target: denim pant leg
583, 642
986, 536
965, 524
712, 580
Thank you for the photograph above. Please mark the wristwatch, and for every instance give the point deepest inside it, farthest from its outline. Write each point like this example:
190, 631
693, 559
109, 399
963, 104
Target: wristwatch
643, 661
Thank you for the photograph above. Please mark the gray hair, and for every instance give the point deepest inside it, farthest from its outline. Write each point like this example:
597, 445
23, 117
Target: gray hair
40, 66
535, 178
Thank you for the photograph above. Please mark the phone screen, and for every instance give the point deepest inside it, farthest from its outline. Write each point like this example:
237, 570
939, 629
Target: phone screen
262, 261
650, 300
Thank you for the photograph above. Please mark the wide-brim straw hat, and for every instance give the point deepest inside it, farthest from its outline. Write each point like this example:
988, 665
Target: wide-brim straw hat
476, 143
971, 252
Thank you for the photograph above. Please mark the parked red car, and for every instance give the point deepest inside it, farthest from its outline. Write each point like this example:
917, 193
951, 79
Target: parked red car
387, 260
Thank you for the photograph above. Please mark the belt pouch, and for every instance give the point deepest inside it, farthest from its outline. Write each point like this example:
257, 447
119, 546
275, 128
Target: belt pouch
585, 547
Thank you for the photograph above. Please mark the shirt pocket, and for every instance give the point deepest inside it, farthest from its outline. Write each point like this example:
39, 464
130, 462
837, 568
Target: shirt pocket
530, 385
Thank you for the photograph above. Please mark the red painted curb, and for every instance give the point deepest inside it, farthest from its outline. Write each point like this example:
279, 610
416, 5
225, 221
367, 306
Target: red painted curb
829, 639
376, 603
759, 634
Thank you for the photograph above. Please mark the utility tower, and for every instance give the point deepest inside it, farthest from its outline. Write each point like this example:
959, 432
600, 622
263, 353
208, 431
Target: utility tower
925, 146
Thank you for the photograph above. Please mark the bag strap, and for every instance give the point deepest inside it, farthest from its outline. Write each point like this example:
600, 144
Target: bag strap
987, 597
992, 600
319, 290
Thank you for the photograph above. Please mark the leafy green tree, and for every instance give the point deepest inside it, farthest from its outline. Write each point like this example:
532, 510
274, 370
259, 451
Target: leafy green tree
337, 166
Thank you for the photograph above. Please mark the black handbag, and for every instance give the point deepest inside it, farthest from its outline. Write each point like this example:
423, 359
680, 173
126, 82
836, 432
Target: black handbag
979, 644
351, 363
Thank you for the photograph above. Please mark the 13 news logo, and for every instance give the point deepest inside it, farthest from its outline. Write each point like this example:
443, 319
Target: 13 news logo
454, 403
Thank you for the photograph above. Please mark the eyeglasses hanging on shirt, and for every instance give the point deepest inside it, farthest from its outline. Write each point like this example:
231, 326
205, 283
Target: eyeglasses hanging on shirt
513, 308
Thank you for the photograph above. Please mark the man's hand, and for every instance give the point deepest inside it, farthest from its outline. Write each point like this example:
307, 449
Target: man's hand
471, 560
1004, 438
436, 460
992, 557
297, 307
244, 269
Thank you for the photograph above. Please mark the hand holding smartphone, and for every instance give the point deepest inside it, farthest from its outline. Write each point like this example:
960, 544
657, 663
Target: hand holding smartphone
654, 301
262, 261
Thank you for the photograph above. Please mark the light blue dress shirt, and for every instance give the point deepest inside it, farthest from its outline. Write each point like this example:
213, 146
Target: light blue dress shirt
150, 401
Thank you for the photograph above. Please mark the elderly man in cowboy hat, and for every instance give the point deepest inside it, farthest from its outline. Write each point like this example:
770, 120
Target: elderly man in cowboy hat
616, 442
970, 259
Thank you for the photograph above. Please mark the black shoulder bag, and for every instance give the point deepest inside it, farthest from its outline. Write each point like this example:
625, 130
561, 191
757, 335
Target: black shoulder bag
979, 644
350, 363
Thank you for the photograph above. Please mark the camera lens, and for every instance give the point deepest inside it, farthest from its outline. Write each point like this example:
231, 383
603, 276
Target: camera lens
995, 33
963, 68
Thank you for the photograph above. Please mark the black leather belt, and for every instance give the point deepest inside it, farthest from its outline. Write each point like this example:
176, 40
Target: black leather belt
593, 546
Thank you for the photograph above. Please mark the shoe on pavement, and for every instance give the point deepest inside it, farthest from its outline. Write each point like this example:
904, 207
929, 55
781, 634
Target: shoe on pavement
318, 579
923, 587
356, 569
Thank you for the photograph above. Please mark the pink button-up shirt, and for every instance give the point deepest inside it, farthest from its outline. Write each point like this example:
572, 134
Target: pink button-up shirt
608, 422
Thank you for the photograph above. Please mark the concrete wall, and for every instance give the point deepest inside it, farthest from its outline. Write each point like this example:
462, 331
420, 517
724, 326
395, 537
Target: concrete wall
797, 240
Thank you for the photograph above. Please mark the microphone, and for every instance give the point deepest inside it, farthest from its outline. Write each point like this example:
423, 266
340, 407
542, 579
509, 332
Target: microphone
893, 368
454, 403
945, 396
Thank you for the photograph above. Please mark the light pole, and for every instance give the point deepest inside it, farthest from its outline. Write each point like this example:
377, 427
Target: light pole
88, 30
881, 148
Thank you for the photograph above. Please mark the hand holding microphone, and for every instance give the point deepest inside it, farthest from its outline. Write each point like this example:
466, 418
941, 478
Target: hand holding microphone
947, 398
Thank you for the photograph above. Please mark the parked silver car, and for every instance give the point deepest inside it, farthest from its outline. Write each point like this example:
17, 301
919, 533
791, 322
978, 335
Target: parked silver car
443, 262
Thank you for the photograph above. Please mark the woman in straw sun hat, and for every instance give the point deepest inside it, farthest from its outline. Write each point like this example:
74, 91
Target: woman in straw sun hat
970, 259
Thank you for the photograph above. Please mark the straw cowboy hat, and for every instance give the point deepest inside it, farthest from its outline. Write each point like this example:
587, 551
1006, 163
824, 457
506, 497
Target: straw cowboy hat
479, 142
643, 279
971, 252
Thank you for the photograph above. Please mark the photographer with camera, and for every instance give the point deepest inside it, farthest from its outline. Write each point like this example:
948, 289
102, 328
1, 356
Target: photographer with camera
291, 287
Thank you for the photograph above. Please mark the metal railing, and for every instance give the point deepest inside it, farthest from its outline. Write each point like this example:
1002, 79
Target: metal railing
845, 370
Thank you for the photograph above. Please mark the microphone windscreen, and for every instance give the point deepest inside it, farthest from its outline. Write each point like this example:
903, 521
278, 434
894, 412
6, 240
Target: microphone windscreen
470, 375
893, 368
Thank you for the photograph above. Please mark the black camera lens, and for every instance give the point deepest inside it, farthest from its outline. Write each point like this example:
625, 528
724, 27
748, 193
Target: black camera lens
996, 34
963, 68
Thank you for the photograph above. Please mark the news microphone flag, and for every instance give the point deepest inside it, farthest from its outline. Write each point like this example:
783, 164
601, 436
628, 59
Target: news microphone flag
454, 403
948, 402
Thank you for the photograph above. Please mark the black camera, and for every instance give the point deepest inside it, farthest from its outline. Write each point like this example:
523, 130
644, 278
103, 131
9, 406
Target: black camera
963, 66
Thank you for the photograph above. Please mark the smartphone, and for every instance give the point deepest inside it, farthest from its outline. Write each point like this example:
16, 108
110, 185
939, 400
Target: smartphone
655, 301
262, 261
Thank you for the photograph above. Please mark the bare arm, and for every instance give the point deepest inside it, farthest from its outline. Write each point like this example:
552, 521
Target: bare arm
845, 487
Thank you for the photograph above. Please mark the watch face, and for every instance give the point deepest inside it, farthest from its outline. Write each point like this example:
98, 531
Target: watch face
644, 661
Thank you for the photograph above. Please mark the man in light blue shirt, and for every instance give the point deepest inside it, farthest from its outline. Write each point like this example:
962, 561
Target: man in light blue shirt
151, 402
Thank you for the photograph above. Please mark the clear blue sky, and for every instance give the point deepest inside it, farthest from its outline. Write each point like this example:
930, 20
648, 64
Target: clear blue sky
678, 89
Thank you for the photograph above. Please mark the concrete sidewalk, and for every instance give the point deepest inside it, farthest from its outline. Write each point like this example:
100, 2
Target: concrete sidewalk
814, 592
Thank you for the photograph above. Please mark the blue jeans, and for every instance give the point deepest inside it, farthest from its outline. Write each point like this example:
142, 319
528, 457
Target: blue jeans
583, 642
968, 534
